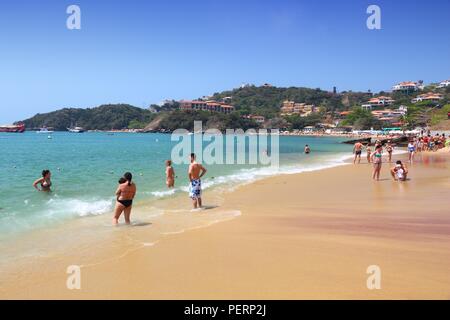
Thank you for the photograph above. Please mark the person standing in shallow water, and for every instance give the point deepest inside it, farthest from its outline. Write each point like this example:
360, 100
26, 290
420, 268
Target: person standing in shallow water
125, 194
170, 174
195, 173
369, 152
377, 159
389, 149
45, 182
357, 150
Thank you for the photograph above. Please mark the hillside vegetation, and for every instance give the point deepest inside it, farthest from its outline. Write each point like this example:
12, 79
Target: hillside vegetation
264, 100
104, 117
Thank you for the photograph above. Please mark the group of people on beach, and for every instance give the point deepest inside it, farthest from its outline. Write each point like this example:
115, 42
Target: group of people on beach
126, 190
427, 143
400, 171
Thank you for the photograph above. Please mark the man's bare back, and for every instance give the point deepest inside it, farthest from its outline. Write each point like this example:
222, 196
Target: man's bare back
358, 146
196, 171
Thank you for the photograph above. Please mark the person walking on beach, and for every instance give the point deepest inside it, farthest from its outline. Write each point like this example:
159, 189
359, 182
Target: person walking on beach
399, 172
411, 150
170, 174
45, 182
389, 149
195, 173
357, 149
376, 159
125, 194
420, 145
369, 152
307, 149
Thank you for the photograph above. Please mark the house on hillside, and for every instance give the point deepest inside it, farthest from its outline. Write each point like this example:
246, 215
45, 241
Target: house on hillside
408, 87
210, 105
227, 100
444, 84
256, 118
290, 108
344, 114
430, 96
381, 101
392, 117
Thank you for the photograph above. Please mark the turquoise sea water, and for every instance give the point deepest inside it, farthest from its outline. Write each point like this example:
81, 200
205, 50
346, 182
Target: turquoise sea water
85, 169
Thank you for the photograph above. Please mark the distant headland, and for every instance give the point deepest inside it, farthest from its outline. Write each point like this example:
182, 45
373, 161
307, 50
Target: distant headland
408, 104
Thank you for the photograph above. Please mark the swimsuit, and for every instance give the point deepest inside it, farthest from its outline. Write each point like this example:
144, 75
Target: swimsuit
126, 203
358, 152
46, 184
195, 189
400, 173
377, 158
411, 148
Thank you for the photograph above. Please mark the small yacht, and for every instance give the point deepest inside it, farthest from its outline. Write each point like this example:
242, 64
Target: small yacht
45, 130
76, 130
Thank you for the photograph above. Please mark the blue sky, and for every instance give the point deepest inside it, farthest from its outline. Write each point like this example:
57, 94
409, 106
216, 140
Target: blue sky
142, 52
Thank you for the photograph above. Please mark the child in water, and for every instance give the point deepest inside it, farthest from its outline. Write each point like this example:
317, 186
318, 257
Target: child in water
170, 174
399, 172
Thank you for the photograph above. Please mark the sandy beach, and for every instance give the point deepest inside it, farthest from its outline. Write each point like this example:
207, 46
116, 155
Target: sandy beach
302, 236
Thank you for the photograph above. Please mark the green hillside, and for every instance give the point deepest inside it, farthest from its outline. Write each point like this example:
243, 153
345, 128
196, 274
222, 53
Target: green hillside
104, 117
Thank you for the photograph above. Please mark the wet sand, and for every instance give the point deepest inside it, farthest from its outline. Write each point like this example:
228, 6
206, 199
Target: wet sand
305, 236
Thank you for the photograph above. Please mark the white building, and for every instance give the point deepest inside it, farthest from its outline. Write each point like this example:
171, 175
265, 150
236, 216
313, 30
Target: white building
408, 86
380, 101
444, 84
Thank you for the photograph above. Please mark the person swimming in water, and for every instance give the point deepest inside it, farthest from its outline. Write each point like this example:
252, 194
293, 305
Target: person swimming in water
45, 182
125, 194
307, 149
170, 174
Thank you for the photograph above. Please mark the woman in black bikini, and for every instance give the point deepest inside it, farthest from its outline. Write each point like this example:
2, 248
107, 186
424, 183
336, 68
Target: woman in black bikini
45, 182
125, 194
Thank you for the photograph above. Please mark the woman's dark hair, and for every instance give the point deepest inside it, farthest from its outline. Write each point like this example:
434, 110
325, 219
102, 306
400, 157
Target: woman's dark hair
128, 176
122, 180
45, 172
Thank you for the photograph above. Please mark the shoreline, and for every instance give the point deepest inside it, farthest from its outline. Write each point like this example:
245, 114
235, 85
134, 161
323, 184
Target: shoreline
148, 198
281, 133
161, 202
241, 239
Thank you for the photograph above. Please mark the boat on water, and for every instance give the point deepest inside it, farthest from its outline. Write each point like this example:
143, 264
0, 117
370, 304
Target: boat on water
76, 130
45, 130
15, 128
